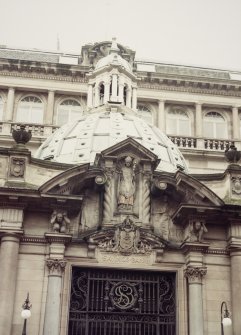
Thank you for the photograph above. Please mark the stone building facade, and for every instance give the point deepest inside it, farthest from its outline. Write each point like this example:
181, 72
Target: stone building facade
120, 194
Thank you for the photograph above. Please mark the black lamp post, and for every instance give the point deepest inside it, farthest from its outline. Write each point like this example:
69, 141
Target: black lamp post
225, 317
25, 314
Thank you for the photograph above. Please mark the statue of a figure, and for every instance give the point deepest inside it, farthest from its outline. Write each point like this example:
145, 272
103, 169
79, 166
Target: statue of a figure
161, 220
59, 221
196, 230
127, 185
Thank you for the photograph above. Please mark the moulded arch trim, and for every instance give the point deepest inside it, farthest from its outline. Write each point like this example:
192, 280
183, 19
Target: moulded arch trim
83, 172
200, 189
217, 111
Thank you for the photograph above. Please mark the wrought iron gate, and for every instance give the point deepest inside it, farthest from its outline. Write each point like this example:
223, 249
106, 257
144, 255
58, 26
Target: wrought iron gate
118, 302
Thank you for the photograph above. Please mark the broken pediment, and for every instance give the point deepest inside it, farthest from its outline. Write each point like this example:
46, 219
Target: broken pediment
73, 180
185, 189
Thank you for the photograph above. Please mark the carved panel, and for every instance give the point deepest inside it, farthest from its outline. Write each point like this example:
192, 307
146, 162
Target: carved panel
17, 167
236, 185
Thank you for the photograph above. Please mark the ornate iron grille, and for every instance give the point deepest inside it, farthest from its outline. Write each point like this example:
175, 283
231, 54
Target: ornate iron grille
110, 302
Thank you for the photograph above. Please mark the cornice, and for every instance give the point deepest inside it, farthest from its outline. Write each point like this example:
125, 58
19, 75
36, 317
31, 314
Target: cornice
191, 89
37, 75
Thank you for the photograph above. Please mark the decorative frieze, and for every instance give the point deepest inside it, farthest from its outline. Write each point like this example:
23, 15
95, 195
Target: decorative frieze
195, 274
11, 218
56, 266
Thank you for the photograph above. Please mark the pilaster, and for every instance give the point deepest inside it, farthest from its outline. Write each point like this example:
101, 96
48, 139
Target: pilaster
236, 123
56, 266
10, 104
50, 108
134, 98
114, 88
195, 272
161, 117
8, 265
56, 269
235, 254
198, 120
90, 96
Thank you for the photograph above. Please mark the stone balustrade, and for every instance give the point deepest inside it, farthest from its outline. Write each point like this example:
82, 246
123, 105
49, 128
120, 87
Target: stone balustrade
202, 143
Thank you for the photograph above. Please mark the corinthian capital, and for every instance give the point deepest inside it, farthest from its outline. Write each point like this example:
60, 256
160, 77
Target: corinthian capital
56, 266
195, 274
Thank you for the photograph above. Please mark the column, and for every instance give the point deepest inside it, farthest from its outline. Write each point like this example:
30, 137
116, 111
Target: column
198, 121
134, 98
8, 268
97, 95
10, 104
114, 88
161, 116
128, 97
107, 92
235, 123
236, 289
195, 301
121, 92
50, 108
53, 303
90, 97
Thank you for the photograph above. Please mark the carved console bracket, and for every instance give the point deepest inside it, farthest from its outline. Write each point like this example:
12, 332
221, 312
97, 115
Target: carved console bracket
58, 238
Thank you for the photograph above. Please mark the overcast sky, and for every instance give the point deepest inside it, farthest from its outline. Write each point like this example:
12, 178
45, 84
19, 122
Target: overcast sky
193, 32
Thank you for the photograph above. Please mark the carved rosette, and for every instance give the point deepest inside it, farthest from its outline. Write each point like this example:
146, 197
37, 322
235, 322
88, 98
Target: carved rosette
195, 274
56, 266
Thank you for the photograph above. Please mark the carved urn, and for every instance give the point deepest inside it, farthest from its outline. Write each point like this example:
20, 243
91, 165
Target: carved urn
232, 154
21, 136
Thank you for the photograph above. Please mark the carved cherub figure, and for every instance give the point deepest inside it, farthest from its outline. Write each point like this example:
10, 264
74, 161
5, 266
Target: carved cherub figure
196, 230
59, 221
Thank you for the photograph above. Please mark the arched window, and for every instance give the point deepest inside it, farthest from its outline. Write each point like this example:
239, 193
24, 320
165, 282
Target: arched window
102, 93
145, 113
178, 122
1, 108
30, 110
214, 125
68, 111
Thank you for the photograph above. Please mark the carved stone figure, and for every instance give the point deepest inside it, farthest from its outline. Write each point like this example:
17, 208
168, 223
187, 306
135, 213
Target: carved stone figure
127, 185
59, 221
161, 218
196, 229
90, 211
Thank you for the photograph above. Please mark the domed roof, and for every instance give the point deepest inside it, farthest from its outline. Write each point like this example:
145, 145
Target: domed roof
113, 58
79, 142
